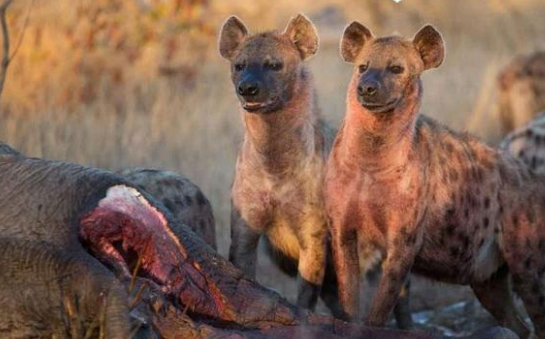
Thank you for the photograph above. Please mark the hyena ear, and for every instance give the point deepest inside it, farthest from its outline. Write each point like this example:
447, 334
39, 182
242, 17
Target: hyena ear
301, 31
232, 35
429, 43
355, 36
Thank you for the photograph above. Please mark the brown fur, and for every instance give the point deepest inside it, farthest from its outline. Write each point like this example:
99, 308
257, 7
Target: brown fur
180, 196
429, 200
521, 88
277, 189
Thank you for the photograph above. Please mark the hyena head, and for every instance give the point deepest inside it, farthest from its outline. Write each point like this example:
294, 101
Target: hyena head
267, 68
387, 69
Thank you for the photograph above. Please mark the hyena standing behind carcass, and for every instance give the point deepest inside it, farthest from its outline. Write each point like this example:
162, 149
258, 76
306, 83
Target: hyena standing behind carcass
431, 201
277, 189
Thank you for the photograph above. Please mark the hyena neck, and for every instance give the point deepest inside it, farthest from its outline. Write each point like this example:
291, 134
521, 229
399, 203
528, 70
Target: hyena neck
380, 142
278, 141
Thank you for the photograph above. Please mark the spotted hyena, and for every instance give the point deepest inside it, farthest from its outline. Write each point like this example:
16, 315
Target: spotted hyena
521, 88
429, 200
180, 196
278, 186
527, 143
277, 189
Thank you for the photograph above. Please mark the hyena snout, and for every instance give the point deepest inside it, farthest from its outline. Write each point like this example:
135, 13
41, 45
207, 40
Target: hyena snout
368, 90
248, 89
255, 94
375, 95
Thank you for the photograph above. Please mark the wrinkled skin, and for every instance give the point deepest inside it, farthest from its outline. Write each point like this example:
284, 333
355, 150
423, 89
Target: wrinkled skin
45, 207
68, 192
43, 222
45, 200
57, 293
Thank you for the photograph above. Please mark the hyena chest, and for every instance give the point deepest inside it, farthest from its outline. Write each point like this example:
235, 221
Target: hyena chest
381, 210
284, 238
280, 212
298, 212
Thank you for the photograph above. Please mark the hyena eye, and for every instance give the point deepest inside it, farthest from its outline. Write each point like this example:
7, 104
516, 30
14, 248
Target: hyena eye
397, 69
274, 65
363, 68
239, 66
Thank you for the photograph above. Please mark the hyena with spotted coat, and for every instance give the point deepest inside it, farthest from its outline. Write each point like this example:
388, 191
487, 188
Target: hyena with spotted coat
521, 91
277, 189
527, 143
429, 200
180, 196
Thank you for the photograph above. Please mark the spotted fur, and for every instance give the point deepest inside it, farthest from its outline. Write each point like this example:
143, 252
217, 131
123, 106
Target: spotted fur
527, 143
432, 201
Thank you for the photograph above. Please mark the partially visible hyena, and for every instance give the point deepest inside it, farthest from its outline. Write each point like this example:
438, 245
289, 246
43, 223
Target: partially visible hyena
277, 189
527, 143
180, 196
431, 201
521, 91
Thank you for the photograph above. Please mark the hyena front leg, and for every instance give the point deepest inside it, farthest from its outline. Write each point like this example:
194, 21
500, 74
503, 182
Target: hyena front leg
369, 256
400, 258
244, 241
312, 261
345, 257
330, 290
402, 311
495, 295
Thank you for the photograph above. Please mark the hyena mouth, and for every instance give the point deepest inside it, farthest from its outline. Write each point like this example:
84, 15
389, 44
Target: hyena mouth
253, 106
380, 108
260, 107
131, 236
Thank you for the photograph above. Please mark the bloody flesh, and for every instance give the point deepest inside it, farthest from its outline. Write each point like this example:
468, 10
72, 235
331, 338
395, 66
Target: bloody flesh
125, 228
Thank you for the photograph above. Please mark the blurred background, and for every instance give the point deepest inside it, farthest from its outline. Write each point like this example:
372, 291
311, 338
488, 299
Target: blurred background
120, 83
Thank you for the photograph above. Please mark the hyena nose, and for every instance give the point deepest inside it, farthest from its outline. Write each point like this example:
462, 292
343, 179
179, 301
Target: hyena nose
248, 88
369, 88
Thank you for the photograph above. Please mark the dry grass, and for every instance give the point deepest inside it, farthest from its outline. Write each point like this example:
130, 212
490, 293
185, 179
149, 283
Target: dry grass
113, 84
